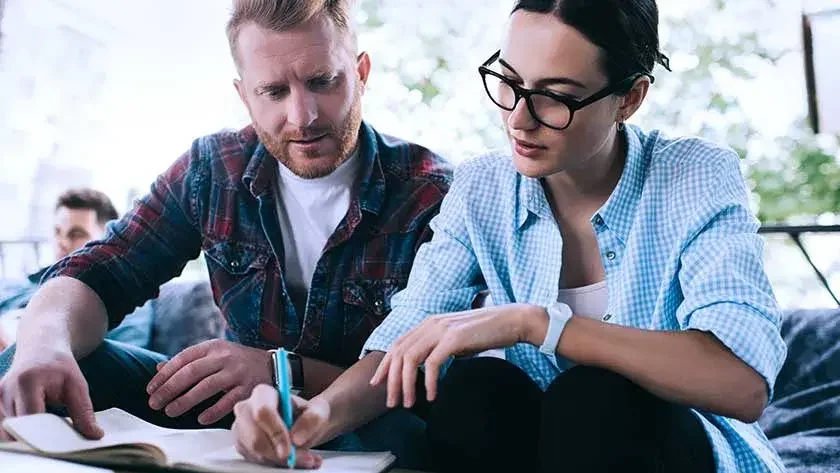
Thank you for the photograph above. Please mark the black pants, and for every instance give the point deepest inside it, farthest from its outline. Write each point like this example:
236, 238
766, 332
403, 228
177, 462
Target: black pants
490, 416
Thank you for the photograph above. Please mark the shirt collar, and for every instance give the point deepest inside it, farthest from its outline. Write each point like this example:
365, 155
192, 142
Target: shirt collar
618, 212
372, 174
260, 172
35, 278
532, 200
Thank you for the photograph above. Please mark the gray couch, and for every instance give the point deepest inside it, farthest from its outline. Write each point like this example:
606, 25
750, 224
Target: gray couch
185, 314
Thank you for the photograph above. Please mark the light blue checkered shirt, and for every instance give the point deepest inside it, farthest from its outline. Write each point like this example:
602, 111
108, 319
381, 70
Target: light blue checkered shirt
678, 244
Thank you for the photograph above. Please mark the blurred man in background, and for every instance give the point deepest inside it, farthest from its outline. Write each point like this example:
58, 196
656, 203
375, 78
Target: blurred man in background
80, 217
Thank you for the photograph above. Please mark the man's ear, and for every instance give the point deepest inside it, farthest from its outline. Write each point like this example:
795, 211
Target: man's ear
240, 89
363, 68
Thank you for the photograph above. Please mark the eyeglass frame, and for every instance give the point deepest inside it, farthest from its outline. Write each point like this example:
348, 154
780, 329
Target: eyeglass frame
572, 104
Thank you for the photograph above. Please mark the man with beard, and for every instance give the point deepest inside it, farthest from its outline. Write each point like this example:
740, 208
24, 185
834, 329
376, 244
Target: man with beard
308, 218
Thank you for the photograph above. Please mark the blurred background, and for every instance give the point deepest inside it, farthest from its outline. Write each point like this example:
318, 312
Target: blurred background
108, 93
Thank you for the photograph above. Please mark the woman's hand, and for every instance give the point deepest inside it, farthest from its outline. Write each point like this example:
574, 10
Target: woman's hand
442, 336
262, 437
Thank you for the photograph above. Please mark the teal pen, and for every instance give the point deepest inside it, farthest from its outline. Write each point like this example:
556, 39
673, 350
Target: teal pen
284, 389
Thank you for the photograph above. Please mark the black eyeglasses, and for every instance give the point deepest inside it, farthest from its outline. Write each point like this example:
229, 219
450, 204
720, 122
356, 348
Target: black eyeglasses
548, 108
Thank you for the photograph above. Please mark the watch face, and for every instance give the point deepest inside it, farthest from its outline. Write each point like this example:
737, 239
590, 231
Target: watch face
296, 364
560, 308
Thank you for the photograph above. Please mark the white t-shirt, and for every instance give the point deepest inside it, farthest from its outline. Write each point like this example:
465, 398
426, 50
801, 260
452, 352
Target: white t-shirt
309, 211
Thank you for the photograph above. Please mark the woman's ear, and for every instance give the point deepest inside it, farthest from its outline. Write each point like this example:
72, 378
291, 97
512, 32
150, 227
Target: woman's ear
631, 101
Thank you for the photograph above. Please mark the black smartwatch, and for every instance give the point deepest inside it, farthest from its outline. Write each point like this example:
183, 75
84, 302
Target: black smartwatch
296, 368
296, 362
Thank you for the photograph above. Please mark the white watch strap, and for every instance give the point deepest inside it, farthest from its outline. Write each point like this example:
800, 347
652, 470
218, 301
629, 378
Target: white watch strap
559, 315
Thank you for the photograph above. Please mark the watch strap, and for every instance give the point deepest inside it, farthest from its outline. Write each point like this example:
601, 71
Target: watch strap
559, 315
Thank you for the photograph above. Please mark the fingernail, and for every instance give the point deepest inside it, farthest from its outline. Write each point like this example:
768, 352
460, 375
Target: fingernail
151, 388
154, 403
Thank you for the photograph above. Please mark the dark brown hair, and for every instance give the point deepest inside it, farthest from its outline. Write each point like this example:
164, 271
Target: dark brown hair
627, 31
90, 199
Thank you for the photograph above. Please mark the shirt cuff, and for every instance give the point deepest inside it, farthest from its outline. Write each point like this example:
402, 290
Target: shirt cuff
748, 332
398, 323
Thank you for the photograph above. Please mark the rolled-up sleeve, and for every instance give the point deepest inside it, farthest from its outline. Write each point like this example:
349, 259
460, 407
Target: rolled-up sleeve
445, 275
145, 248
725, 288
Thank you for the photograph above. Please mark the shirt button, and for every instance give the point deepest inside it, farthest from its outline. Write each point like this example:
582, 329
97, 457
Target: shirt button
234, 264
607, 317
611, 255
598, 220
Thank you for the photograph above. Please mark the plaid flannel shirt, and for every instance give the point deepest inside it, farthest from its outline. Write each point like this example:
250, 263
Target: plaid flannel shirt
218, 198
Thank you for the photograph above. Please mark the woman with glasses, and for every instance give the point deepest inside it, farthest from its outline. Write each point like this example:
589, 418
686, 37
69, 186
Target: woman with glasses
639, 329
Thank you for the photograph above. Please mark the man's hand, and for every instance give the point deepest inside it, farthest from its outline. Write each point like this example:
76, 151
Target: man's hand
261, 435
53, 378
443, 336
204, 370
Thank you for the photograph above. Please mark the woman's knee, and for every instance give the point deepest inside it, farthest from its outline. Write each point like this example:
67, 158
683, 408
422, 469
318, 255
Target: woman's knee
480, 403
483, 374
484, 390
586, 409
597, 398
586, 381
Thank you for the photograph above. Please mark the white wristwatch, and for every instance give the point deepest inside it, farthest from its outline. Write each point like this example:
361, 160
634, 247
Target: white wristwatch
559, 315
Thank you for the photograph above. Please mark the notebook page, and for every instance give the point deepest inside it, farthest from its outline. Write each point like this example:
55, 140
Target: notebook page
230, 461
52, 434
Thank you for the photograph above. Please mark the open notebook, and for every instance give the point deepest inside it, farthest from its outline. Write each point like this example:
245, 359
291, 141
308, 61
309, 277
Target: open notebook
130, 441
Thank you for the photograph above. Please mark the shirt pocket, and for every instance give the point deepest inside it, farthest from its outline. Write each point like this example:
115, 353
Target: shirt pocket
366, 304
238, 277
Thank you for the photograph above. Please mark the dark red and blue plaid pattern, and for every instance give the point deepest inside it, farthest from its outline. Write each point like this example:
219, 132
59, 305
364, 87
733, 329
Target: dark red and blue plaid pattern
218, 199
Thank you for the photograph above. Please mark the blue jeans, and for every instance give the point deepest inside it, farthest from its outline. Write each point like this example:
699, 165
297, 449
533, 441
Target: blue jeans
117, 375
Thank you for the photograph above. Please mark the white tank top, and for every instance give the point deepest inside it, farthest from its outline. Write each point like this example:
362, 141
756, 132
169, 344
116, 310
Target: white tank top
587, 301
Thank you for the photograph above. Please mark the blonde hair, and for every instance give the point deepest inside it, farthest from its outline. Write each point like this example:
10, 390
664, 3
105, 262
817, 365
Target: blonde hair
281, 15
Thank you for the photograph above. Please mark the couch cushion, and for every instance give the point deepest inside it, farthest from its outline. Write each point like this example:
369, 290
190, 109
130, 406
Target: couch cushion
185, 314
813, 359
803, 418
